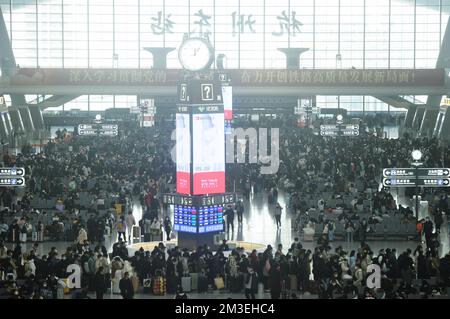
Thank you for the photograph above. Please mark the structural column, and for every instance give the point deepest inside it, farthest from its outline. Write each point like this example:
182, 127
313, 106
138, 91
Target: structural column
428, 122
418, 117
410, 117
293, 57
159, 56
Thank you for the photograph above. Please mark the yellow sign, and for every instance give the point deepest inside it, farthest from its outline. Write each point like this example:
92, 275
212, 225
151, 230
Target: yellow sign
445, 101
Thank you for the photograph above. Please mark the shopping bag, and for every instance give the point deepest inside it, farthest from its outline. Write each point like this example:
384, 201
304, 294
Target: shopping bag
219, 283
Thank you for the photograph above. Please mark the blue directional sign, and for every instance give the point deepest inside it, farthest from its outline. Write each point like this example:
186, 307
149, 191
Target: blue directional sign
12, 171
411, 182
12, 181
421, 172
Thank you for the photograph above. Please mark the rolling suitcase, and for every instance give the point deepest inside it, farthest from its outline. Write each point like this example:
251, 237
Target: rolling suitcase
186, 284
136, 234
194, 281
159, 284
147, 285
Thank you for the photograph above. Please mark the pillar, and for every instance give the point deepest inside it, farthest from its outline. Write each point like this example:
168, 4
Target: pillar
410, 117
293, 57
159, 56
428, 122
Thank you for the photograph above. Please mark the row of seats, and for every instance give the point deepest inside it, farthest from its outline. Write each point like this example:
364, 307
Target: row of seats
392, 226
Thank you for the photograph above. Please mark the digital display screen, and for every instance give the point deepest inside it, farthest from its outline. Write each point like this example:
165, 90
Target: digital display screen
183, 153
210, 219
207, 219
185, 219
209, 153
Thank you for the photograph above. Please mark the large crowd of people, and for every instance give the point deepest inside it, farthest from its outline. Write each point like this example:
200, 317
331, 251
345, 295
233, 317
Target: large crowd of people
137, 167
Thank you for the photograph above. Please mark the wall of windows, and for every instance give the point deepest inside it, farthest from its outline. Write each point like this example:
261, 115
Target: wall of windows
114, 33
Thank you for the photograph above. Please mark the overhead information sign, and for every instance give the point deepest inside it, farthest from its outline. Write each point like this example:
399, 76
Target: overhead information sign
339, 130
421, 172
411, 182
12, 181
98, 129
6, 171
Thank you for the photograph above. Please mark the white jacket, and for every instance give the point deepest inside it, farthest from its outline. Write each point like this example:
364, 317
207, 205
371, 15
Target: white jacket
30, 268
82, 236
130, 221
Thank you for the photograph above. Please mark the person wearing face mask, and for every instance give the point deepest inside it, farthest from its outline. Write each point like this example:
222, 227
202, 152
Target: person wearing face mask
251, 283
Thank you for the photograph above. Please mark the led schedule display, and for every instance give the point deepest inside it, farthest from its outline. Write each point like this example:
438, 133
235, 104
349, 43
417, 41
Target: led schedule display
210, 219
207, 219
185, 219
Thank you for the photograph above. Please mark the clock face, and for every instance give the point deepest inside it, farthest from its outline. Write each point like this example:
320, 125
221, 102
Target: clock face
195, 54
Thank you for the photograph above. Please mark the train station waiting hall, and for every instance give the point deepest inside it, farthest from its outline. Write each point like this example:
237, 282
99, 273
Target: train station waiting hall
206, 150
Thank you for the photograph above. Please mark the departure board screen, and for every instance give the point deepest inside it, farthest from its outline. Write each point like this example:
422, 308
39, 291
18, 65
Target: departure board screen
185, 219
210, 219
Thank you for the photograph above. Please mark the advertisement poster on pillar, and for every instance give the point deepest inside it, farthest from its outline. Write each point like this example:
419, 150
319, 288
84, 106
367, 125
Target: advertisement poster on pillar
209, 153
183, 154
227, 94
